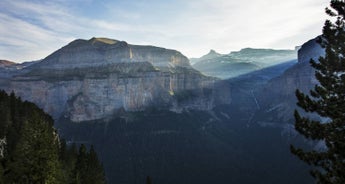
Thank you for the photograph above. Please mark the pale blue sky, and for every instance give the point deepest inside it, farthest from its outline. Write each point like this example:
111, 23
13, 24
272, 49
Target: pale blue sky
32, 29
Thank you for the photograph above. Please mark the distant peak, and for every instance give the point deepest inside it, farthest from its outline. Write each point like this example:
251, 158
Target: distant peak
103, 40
6, 63
210, 55
212, 52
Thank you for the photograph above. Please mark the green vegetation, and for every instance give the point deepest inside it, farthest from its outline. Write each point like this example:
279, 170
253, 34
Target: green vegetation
189, 147
327, 100
31, 151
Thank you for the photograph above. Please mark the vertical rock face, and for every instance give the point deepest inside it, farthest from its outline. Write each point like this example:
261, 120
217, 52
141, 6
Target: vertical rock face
278, 97
310, 50
96, 78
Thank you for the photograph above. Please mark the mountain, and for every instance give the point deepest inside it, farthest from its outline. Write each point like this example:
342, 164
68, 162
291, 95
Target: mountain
277, 98
93, 79
6, 63
104, 51
11, 65
267, 95
242, 62
149, 113
8, 69
211, 55
224, 144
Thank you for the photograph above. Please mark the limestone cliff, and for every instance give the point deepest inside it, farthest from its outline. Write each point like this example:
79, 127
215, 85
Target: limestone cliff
310, 50
96, 78
278, 99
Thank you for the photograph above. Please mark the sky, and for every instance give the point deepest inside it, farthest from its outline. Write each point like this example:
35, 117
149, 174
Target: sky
33, 29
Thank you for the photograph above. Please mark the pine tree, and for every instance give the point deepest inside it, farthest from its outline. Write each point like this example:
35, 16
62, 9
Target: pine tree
35, 159
81, 165
327, 99
148, 180
88, 169
68, 158
95, 168
32, 151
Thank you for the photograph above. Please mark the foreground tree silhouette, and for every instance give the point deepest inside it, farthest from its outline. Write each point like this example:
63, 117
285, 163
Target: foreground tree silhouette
148, 180
88, 169
327, 99
32, 152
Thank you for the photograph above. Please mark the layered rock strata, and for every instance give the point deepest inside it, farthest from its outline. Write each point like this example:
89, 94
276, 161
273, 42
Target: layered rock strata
96, 78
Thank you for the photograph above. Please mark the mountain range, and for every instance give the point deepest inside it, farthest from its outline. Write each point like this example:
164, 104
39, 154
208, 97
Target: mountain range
150, 113
92, 79
241, 62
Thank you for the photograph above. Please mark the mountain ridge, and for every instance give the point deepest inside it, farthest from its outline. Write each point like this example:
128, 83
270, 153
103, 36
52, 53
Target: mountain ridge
209, 130
5, 63
210, 55
99, 51
96, 78
240, 62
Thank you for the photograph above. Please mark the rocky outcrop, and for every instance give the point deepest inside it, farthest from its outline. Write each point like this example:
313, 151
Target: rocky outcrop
278, 99
310, 50
97, 78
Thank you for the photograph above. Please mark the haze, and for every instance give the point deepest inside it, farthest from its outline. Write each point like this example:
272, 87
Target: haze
31, 30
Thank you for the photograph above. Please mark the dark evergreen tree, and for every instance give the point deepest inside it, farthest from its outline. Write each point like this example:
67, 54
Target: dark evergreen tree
35, 159
327, 99
88, 169
95, 170
81, 165
68, 157
148, 180
1, 174
30, 150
